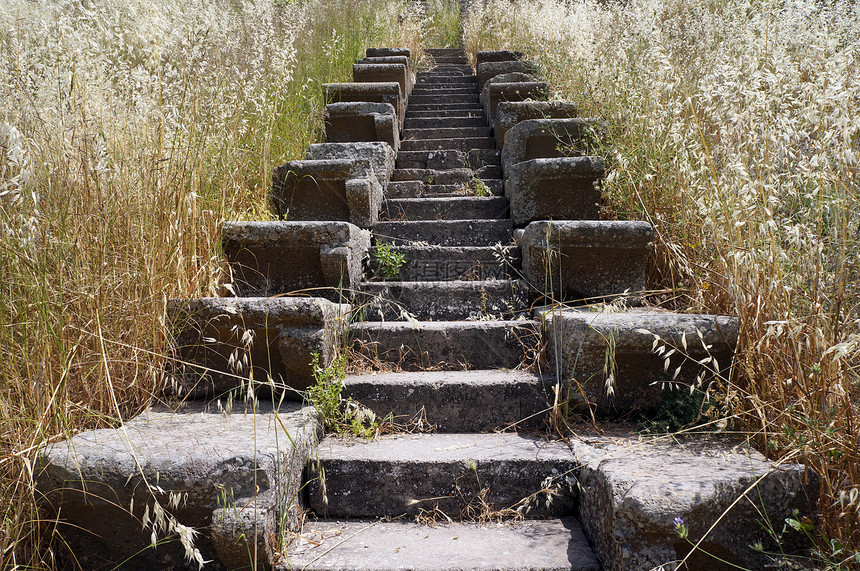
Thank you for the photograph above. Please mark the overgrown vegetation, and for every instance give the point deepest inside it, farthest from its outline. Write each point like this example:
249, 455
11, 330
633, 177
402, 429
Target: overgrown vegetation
128, 131
736, 130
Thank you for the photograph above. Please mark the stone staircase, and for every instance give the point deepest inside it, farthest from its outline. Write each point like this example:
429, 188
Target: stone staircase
492, 199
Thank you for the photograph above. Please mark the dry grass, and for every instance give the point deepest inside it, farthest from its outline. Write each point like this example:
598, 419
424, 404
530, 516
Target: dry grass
128, 131
736, 132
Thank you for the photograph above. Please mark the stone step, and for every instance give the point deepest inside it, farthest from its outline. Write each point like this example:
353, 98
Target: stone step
444, 90
431, 176
458, 144
444, 106
448, 345
422, 473
455, 113
471, 98
417, 188
453, 68
440, 263
490, 174
437, 123
447, 159
430, 78
445, 52
442, 300
535, 545
444, 232
446, 208
456, 401
233, 468
476, 132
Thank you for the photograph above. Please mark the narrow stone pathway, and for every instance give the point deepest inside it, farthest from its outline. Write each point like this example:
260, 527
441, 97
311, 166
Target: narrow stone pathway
464, 300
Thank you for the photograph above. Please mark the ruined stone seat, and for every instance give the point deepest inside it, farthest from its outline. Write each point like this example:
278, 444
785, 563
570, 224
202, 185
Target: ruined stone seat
563, 188
273, 258
383, 72
584, 259
269, 343
511, 87
380, 156
387, 52
509, 113
548, 138
579, 339
333, 189
485, 56
361, 121
410, 75
488, 70
370, 92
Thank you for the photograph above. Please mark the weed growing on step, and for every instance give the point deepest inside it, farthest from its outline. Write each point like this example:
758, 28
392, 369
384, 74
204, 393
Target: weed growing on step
339, 415
388, 260
734, 129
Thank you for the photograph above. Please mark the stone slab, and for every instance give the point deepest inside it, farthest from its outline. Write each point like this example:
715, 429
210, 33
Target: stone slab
490, 69
583, 259
562, 188
444, 232
511, 87
274, 258
408, 474
456, 401
633, 488
548, 138
509, 113
361, 121
459, 144
231, 472
380, 156
449, 345
383, 72
438, 263
448, 208
546, 545
485, 56
579, 341
447, 159
442, 300
387, 52
345, 190
371, 92
222, 343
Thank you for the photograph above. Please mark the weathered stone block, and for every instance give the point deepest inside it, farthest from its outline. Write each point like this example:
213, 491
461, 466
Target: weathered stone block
383, 72
387, 52
590, 345
509, 113
232, 474
380, 156
370, 92
274, 258
395, 59
564, 188
581, 259
510, 87
361, 121
497, 55
334, 189
548, 138
224, 343
634, 488
490, 69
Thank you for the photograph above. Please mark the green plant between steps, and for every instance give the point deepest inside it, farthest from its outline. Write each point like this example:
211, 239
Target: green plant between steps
389, 261
338, 415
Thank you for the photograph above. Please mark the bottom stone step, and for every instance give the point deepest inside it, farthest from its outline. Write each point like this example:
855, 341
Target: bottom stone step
449, 345
462, 476
549, 545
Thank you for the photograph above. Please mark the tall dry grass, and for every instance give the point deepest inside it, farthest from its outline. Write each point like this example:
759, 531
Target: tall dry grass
129, 129
735, 128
